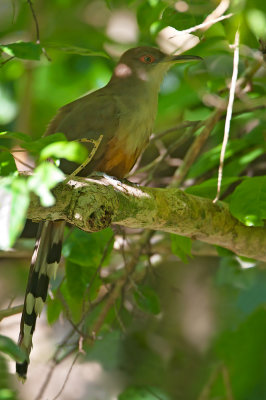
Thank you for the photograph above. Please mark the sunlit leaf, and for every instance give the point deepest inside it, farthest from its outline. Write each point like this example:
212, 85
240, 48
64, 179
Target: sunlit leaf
35, 146
72, 151
25, 50
248, 202
45, 177
15, 135
14, 203
7, 163
257, 22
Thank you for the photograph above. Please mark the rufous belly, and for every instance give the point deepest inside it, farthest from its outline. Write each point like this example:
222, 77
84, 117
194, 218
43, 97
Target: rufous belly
117, 161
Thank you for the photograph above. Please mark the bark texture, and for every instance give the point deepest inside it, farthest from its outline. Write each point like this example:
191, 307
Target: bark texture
92, 204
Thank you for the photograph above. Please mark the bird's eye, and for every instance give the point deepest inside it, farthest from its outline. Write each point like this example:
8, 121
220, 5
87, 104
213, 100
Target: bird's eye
147, 59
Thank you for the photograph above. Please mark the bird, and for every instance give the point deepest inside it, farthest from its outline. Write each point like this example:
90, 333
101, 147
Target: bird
123, 112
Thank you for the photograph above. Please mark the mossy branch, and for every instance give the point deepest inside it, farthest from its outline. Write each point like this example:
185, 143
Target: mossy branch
92, 204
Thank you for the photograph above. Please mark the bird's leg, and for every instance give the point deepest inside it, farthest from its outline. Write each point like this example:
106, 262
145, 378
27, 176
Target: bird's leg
100, 174
96, 144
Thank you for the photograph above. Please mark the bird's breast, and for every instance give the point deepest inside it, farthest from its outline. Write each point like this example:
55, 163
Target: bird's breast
136, 121
129, 140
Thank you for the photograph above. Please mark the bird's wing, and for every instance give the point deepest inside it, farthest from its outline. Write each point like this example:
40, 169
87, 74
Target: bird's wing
88, 117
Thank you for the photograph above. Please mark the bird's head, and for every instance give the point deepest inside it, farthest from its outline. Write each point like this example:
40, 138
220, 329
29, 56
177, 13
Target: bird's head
147, 64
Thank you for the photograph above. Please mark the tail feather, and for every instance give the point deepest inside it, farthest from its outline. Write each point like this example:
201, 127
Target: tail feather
44, 263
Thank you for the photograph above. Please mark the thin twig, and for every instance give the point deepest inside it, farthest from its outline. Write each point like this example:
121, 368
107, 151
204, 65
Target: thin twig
196, 147
67, 377
36, 21
13, 11
204, 395
10, 311
216, 13
204, 24
97, 272
171, 149
119, 319
11, 301
46, 382
23, 162
116, 290
227, 383
67, 311
37, 29
228, 114
53, 366
96, 144
6, 61
183, 125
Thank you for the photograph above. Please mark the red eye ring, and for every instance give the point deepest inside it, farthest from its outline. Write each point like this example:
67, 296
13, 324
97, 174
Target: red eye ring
147, 59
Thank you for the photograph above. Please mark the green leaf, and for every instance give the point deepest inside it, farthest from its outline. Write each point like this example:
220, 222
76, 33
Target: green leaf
74, 305
24, 50
72, 151
46, 176
179, 20
230, 273
147, 299
75, 283
242, 351
143, 393
211, 158
106, 350
7, 163
240, 163
8, 346
87, 248
209, 187
54, 308
223, 252
92, 282
244, 151
35, 146
82, 51
181, 247
254, 296
148, 14
15, 135
256, 20
248, 202
80, 278
14, 203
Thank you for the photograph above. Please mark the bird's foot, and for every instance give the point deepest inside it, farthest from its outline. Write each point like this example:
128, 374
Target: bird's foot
99, 174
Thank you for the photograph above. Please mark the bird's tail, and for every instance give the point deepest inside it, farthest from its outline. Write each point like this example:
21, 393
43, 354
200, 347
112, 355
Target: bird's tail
44, 263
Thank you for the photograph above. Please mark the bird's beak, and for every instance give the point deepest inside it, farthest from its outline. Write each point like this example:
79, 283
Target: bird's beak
181, 59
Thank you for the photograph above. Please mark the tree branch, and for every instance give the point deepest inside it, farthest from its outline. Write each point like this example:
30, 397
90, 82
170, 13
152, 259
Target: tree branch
93, 204
10, 311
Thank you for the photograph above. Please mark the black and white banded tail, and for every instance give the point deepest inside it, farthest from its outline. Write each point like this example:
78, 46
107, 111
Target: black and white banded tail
44, 263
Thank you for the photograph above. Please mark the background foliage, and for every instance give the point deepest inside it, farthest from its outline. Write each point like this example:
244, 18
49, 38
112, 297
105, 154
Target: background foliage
165, 317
